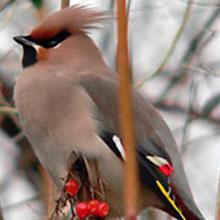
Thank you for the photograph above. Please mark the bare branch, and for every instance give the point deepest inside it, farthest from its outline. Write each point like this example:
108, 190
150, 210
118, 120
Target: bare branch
8, 110
1, 213
211, 104
65, 3
194, 113
217, 216
193, 48
173, 45
192, 96
203, 4
5, 3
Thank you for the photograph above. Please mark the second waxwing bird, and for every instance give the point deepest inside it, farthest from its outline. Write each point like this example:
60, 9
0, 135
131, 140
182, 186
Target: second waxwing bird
67, 99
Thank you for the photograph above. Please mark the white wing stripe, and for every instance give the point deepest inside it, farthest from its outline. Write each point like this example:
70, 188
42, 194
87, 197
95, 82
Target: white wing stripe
118, 144
158, 161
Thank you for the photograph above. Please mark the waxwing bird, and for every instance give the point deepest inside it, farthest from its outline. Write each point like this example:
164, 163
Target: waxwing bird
67, 99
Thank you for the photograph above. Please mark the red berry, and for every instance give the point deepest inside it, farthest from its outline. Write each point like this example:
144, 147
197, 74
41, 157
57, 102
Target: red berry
71, 187
103, 210
94, 206
82, 209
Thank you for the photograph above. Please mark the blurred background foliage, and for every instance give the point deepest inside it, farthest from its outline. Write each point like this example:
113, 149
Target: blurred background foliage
37, 3
174, 48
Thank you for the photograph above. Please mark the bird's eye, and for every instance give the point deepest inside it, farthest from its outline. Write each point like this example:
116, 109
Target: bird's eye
46, 43
53, 42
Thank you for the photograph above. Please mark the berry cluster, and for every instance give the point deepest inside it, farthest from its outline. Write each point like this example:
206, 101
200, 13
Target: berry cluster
84, 209
92, 207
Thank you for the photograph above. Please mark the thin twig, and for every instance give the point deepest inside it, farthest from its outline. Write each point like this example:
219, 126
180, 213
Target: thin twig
8, 110
198, 140
8, 16
186, 17
5, 4
195, 43
194, 113
192, 92
202, 4
65, 3
172, 47
123, 67
217, 216
21, 203
1, 213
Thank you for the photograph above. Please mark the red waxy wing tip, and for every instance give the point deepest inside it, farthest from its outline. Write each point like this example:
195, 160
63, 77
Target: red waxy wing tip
166, 169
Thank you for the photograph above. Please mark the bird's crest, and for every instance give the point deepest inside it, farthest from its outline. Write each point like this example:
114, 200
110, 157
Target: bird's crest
74, 19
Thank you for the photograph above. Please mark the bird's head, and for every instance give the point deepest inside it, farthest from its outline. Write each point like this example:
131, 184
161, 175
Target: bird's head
55, 29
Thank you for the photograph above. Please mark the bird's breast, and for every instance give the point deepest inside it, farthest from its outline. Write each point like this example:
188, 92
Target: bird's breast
53, 108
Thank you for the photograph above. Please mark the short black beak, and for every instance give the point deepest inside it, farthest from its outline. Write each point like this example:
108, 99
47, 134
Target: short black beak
24, 40
30, 54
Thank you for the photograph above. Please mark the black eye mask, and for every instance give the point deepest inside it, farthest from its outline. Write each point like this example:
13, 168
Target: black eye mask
46, 43
28, 42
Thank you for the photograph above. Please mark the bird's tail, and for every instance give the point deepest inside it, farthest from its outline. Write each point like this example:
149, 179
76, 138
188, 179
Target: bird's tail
190, 213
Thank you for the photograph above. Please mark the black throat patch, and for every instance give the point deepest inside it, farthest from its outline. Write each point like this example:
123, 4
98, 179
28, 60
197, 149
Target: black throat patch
29, 56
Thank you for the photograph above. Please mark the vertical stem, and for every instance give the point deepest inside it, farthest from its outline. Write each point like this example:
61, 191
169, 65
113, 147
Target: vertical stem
1, 213
217, 217
126, 117
65, 3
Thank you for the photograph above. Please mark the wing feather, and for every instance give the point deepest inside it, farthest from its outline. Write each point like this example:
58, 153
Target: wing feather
154, 138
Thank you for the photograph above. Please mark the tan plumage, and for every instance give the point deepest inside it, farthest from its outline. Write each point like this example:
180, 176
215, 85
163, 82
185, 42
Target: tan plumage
68, 97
